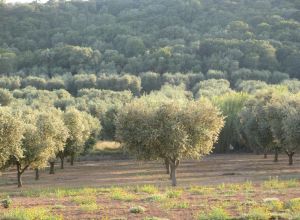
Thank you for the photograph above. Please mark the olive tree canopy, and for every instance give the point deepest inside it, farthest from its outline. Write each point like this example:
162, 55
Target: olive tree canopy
169, 130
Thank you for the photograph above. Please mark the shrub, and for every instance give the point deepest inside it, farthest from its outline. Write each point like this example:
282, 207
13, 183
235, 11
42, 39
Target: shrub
137, 209
6, 203
173, 193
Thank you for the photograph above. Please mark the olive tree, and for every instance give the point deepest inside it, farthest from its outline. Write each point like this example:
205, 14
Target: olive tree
285, 119
45, 134
255, 122
170, 130
291, 127
11, 135
80, 126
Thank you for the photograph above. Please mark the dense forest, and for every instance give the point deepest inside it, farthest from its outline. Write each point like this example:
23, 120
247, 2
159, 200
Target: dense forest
230, 39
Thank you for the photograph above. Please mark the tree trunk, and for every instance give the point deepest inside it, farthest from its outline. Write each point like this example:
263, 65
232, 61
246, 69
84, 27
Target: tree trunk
19, 175
265, 155
291, 161
167, 164
173, 165
51, 168
290, 155
37, 174
173, 174
20, 171
62, 160
276, 155
72, 159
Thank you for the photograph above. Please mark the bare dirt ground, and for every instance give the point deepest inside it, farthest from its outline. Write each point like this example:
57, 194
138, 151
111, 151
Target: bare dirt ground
214, 169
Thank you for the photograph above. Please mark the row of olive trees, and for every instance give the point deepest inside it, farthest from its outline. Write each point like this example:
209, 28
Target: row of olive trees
101, 104
32, 138
74, 83
271, 121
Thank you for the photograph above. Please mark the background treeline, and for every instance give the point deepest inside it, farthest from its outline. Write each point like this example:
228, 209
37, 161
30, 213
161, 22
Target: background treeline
128, 36
144, 82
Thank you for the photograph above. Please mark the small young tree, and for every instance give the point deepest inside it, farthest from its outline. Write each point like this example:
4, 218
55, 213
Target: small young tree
171, 130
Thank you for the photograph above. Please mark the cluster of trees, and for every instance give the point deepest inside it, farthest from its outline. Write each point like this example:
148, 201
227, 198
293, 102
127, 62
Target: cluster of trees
40, 126
124, 36
271, 121
146, 82
74, 83
33, 138
70, 68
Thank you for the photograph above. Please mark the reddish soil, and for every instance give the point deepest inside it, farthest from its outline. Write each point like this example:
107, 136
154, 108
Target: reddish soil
212, 170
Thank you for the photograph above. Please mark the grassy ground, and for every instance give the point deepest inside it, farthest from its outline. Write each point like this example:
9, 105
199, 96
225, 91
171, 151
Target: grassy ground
218, 187
276, 199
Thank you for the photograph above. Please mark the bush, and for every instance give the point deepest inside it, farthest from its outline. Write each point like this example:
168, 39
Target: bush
6, 203
5, 97
137, 209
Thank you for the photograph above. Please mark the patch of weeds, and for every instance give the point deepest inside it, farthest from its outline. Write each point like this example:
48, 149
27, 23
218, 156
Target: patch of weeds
249, 203
6, 203
258, 213
275, 183
60, 193
174, 193
150, 189
273, 204
181, 205
228, 189
37, 193
202, 190
215, 214
121, 194
247, 187
58, 206
88, 191
103, 190
90, 207
292, 183
293, 205
154, 218
137, 209
39, 213
84, 200
155, 198
172, 204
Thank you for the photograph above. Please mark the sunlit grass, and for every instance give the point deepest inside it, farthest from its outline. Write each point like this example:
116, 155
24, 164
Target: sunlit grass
37, 213
121, 194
